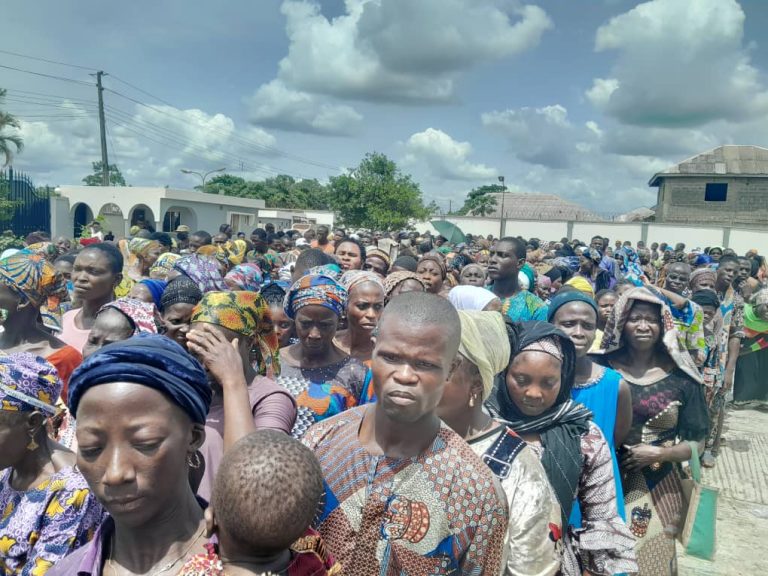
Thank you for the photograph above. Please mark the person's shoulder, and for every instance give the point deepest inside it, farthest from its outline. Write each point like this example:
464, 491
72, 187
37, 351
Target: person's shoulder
327, 430
533, 299
469, 471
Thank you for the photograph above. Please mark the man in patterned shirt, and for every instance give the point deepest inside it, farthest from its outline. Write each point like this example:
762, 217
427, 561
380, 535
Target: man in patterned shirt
404, 494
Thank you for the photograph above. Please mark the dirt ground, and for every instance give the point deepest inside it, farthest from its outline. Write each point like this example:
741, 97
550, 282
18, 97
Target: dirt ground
741, 474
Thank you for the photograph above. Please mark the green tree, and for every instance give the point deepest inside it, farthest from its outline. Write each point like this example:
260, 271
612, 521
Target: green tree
115, 176
7, 206
8, 141
280, 191
377, 195
479, 201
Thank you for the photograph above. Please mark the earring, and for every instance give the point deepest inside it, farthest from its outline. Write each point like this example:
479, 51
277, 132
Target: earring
194, 460
32, 446
471, 401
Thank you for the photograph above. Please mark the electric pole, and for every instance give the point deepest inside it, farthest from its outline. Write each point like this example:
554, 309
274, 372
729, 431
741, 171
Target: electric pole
103, 130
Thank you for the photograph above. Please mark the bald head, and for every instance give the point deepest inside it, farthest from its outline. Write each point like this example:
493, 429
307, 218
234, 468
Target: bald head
420, 310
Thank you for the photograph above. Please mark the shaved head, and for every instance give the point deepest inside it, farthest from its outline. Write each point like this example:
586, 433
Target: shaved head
419, 310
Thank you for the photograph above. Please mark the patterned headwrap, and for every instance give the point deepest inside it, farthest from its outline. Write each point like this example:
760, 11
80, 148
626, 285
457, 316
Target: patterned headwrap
671, 337
352, 278
393, 280
760, 297
582, 285
47, 249
208, 250
246, 276
142, 246
378, 254
180, 290
330, 270
315, 290
203, 270
150, 360
630, 265
35, 280
592, 254
699, 274
484, 342
246, 313
28, 383
143, 316
569, 262
550, 345
163, 265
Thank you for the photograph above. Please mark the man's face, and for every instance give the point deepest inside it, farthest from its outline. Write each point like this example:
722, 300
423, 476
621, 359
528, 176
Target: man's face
410, 368
678, 276
195, 243
503, 262
220, 239
745, 268
597, 244
726, 274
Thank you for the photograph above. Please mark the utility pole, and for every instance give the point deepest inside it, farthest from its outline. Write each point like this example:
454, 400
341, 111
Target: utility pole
103, 130
501, 218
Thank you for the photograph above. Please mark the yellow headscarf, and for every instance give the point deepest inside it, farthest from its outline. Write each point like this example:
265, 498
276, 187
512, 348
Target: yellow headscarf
582, 285
485, 343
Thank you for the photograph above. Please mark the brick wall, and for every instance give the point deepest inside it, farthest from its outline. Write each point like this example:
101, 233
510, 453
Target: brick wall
746, 203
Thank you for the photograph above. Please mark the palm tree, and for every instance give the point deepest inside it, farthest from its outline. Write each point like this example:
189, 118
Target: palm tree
8, 121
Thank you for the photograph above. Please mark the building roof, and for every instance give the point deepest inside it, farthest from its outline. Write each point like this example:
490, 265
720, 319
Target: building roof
729, 160
156, 192
541, 207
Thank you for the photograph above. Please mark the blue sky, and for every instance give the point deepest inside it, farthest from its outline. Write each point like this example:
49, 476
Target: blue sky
584, 99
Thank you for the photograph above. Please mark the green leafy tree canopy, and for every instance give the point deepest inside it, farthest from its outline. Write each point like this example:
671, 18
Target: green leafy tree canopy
281, 191
9, 143
377, 195
479, 201
115, 176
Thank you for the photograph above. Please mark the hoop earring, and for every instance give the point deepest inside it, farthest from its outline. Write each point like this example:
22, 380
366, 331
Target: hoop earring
194, 460
471, 401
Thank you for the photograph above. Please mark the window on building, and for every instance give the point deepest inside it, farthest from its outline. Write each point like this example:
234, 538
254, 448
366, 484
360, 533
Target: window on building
716, 192
171, 221
241, 222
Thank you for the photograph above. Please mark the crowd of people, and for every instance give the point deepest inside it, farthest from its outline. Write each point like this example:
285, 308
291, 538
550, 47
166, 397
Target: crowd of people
363, 403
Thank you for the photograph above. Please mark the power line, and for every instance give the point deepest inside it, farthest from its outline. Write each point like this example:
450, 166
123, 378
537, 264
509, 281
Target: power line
48, 61
62, 78
142, 91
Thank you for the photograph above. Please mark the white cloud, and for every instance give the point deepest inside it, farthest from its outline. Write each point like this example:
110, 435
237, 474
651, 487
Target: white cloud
680, 63
537, 135
276, 106
444, 157
401, 50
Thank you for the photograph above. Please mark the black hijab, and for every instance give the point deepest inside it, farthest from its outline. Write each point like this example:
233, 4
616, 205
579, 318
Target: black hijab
561, 427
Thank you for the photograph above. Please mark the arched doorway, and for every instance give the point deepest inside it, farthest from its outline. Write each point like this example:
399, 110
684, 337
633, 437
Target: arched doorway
82, 215
175, 216
114, 220
142, 216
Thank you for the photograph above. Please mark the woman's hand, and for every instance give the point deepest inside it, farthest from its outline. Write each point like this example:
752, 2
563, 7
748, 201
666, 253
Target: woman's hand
221, 358
641, 456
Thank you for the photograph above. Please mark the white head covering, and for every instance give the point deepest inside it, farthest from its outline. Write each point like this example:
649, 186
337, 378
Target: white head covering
470, 297
523, 281
8, 253
485, 343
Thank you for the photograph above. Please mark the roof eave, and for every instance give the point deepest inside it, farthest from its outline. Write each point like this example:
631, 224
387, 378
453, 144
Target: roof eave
656, 179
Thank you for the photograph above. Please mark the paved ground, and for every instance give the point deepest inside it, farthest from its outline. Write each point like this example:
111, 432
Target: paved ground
741, 475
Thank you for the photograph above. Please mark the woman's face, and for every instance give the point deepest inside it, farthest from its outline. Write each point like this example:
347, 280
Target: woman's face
153, 254
642, 330
284, 326
176, 320
315, 328
463, 383
473, 275
375, 264
605, 306
133, 444
431, 274
579, 322
92, 277
110, 326
14, 437
65, 269
716, 254
585, 265
533, 382
349, 256
365, 305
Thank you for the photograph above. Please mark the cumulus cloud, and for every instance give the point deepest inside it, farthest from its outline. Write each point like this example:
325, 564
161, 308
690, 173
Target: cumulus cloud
401, 50
444, 157
680, 63
149, 145
274, 105
542, 136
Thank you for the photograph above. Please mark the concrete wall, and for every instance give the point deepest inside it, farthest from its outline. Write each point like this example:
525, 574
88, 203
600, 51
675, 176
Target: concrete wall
740, 239
682, 200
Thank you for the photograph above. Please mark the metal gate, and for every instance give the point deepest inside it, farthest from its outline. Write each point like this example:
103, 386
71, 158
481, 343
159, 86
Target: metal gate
30, 211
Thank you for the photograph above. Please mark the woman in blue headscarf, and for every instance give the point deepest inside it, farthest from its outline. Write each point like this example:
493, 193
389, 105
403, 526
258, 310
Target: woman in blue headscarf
140, 406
